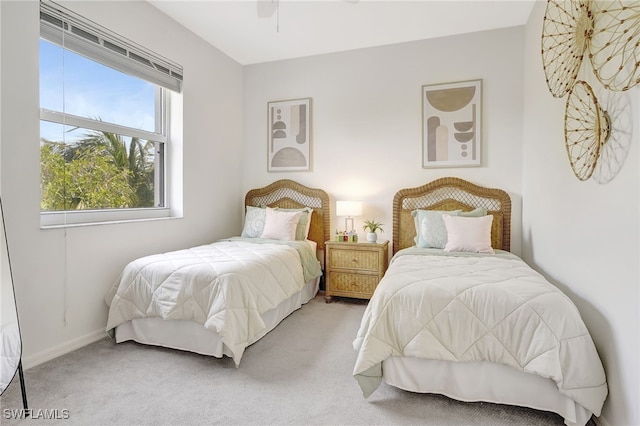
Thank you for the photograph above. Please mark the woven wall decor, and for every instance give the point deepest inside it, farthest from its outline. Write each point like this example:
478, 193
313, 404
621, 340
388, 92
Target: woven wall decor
566, 30
614, 48
597, 139
587, 128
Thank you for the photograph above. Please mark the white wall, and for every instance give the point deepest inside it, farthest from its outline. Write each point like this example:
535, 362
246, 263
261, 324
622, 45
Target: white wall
61, 276
584, 236
366, 133
366, 118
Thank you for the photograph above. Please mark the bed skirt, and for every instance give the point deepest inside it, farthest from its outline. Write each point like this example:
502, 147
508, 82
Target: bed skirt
482, 381
193, 337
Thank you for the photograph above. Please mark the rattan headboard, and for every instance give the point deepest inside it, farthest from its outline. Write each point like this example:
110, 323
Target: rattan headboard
451, 194
288, 194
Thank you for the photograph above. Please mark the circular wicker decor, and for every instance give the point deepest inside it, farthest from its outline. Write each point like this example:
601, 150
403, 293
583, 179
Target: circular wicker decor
615, 43
586, 128
566, 29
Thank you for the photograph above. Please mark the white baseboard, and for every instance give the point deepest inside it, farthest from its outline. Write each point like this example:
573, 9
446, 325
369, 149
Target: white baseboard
64, 348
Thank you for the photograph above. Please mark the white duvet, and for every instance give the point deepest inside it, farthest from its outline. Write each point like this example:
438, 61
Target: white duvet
225, 286
463, 307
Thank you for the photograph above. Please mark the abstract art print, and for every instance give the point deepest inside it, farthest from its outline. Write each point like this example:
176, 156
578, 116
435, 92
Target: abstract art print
289, 137
451, 124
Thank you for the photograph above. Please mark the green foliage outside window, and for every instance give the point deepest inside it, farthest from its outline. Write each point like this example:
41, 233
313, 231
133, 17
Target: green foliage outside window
101, 171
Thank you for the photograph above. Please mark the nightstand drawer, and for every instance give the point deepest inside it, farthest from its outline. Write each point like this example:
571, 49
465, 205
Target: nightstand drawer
353, 284
354, 259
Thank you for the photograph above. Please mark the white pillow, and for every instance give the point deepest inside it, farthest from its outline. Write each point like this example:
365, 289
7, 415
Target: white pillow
304, 224
470, 234
253, 222
280, 225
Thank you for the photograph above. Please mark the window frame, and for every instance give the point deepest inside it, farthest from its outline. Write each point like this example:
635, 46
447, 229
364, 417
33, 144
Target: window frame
160, 135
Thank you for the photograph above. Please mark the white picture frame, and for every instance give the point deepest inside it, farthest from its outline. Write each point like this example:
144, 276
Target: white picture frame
452, 124
289, 135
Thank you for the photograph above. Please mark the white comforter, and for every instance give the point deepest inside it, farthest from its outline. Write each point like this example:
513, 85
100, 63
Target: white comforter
462, 307
225, 286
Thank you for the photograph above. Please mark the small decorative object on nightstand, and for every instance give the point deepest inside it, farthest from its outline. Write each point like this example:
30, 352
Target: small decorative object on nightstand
354, 269
372, 226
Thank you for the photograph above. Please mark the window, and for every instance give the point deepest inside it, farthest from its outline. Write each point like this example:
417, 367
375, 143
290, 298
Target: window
104, 109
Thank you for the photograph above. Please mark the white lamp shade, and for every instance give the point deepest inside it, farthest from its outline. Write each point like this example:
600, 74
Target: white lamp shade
349, 208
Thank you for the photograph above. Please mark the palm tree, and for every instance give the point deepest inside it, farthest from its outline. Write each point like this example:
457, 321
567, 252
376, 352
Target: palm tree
83, 179
137, 159
122, 174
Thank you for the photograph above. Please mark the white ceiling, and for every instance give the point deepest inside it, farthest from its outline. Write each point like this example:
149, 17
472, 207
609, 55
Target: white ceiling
303, 28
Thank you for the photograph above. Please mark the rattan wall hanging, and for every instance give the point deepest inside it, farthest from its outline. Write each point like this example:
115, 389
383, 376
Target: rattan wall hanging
614, 48
566, 30
586, 129
609, 31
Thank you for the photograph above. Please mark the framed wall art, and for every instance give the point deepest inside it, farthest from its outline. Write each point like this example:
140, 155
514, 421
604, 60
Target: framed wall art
289, 135
452, 124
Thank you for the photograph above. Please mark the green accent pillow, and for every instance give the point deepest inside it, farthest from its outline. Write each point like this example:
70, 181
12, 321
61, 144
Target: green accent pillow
477, 212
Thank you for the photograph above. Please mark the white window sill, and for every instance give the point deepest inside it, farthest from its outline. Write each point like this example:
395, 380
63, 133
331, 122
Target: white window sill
67, 219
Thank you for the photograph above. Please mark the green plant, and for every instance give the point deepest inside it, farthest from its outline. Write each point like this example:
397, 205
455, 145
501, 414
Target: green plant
372, 226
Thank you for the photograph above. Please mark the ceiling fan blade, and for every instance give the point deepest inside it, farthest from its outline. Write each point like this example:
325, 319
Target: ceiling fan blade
266, 8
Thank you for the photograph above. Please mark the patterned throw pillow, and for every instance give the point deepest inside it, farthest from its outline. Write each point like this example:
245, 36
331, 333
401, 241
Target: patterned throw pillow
254, 222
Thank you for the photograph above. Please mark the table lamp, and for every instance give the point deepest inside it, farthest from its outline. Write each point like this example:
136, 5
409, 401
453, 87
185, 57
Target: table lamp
349, 209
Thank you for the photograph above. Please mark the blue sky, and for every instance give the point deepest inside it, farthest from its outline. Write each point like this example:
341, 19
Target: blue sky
91, 90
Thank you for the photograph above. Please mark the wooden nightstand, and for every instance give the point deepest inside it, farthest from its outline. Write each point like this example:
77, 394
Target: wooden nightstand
354, 269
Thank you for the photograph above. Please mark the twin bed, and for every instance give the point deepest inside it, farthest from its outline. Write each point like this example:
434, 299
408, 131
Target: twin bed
455, 314
219, 298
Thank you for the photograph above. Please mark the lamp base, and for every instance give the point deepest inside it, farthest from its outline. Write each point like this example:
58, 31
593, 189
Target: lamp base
346, 224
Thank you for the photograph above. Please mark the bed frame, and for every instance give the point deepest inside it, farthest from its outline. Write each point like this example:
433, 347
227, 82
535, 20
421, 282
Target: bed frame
288, 194
451, 193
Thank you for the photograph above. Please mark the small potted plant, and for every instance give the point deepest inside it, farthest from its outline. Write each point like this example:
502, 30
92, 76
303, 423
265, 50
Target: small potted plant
372, 227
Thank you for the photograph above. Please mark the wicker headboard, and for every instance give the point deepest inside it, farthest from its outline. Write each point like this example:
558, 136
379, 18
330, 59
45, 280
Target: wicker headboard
288, 194
451, 194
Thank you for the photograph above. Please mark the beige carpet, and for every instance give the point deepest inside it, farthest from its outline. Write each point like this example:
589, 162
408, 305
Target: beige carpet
300, 373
